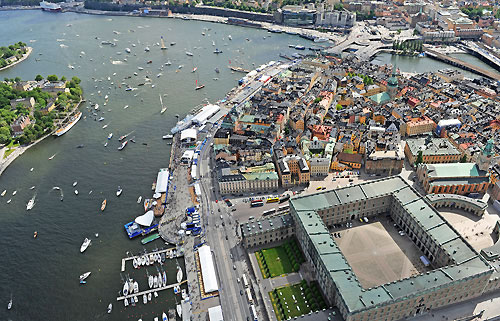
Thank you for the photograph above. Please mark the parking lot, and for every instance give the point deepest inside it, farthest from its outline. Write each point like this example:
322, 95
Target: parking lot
377, 253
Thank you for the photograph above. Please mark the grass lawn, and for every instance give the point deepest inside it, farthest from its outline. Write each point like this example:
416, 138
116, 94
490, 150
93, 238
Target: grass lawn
286, 296
9, 151
277, 261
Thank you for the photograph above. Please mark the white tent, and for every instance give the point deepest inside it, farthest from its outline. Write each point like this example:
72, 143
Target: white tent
162, 181
189, 135
197, 189
207, 269
215, 313
146, 219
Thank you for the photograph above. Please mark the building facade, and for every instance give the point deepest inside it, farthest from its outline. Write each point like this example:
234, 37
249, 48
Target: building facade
267, 230
384, 162
231, 182
434, 150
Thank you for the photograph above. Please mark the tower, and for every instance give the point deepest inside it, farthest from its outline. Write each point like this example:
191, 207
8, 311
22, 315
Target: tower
392, 84
484, 158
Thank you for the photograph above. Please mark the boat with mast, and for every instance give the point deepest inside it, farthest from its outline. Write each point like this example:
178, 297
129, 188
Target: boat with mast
163, 47
73, 120
163, 108
85, 245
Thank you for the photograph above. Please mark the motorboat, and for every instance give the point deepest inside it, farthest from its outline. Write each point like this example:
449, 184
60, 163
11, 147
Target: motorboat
144, 298
184, 294
139, 200
143, 260
136, 287
122, 146
85, 245
146, 49
9, 200
119, 191
179, 310
32, 187
103, 205
189, 53
30, 204
76, 192
194, 69
164, 278
149, 296
217, 51
160, 280
217, 70
169, 136
110, 136
127, 50
106, 144
3, 193
9, 305
155, 319
199, 87
177, 289
155, 294
125, 288
125, 302
52, 157
172, 43
96, 234
155, 281
134, 263
164, 316
150, 281
101, 119
84, 276
179, 274
75, 183
229, 37
110, 308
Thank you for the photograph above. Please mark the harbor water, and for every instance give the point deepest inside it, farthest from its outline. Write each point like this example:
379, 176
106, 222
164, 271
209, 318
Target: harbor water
42, 273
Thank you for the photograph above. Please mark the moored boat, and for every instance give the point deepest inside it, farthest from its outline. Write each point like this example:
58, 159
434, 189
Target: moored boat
164, 316
73, 120
125, 288
103, 205
119, 191
168, 136
150, 281
84, 276
179, 274
51, 7
179, 310
122, 146
144, 298
30, 204
110, 308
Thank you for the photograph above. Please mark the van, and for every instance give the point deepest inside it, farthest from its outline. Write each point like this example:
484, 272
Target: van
365, 219
221, 217
234, 267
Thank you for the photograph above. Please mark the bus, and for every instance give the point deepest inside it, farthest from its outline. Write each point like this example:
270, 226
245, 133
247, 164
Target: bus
253, 312
284, 198
256, 203
272, 200
249, 295
284, 208
269, 212
245, 281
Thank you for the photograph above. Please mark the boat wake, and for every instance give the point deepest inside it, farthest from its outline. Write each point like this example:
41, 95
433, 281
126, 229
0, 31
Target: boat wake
58, 189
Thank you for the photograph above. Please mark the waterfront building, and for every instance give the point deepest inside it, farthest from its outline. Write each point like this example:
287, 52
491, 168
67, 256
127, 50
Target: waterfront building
295, 16
456, 178
267, 230
434, 150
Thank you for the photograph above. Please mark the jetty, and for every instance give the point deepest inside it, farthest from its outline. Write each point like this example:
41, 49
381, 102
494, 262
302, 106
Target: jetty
170, 286
130, 258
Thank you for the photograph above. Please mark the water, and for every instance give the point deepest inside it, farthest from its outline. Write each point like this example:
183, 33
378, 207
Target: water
42, 273
426, 64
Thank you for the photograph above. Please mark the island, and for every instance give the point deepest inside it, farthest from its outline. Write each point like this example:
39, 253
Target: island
31, 110
13, 54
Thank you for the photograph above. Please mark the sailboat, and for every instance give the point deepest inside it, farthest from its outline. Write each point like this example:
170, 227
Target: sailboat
179, 274
163, 108
30, 204
198, 87
9, 306
162, 44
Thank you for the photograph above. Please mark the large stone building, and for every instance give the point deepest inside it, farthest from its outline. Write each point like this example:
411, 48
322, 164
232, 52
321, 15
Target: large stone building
459, 272
384, 162
293, 170
457, 178
267, 230
434, 150
419, 125
235, 182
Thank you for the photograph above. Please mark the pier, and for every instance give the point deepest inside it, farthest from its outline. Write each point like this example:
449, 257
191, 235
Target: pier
124, 260
462, 64
170, 286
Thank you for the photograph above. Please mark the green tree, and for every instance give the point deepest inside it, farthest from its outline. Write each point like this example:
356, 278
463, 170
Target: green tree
420, 158
5, 135
38, 77
63, 78
338, 7
52, 78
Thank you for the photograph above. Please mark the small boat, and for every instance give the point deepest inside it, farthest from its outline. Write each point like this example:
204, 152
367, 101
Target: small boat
179, 310
35, 234
164, 278
123, 145
96, 106
96, 234
217, 51
110, 308
14, 193
125, 302
172, 43
149, 296
177, 289
136, 287
300, 47
194, 69
164, 316
139, 200
76, 192
127, 50
85, 245
189, 53
160, 280
144, 298
125, 289
31, 169
119, 191
101, 119
83, 282
146, 49
106, 144
140, 68
155, 319
110, 135
199, 87
10, 200
150, 281
183, 294
179, 274
103, 205
105, 126
3, 193
30, 204
169, 136
9, 305
155, 294
75, 183
80, 146
32, 187
149, 62
217, 70
155, 281
52, 157
134, 263
84, 276
229, 37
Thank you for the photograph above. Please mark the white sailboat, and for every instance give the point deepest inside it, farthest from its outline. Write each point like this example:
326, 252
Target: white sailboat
84, 276
3, 193
110, 308
150, 281
179, 310
179, 274
85, 245
163, 108
9, 306
30, 204
125, 288
136, 287
164, 316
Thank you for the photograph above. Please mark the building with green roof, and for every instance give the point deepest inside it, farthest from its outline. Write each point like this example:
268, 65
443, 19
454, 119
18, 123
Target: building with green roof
459, 272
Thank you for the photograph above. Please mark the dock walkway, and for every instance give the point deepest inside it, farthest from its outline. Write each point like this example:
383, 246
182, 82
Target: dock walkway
170, 286
124, 260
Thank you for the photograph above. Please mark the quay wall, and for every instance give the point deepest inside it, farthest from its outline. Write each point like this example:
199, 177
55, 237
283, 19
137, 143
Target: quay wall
199, 10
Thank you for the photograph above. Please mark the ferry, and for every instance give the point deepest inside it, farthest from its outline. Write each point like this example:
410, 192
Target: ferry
133, 229
63, 130
49, 6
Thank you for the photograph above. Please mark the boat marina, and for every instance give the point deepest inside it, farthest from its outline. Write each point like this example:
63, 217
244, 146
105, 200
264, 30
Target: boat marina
170, 252
170, 286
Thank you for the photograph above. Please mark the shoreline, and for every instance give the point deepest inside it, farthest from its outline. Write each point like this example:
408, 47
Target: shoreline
4, 163
26, 55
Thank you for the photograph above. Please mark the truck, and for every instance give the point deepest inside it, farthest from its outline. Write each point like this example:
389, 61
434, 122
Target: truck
245, 281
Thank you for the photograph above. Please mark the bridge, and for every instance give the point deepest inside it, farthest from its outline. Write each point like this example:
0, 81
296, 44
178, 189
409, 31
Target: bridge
462, 64
483, 53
